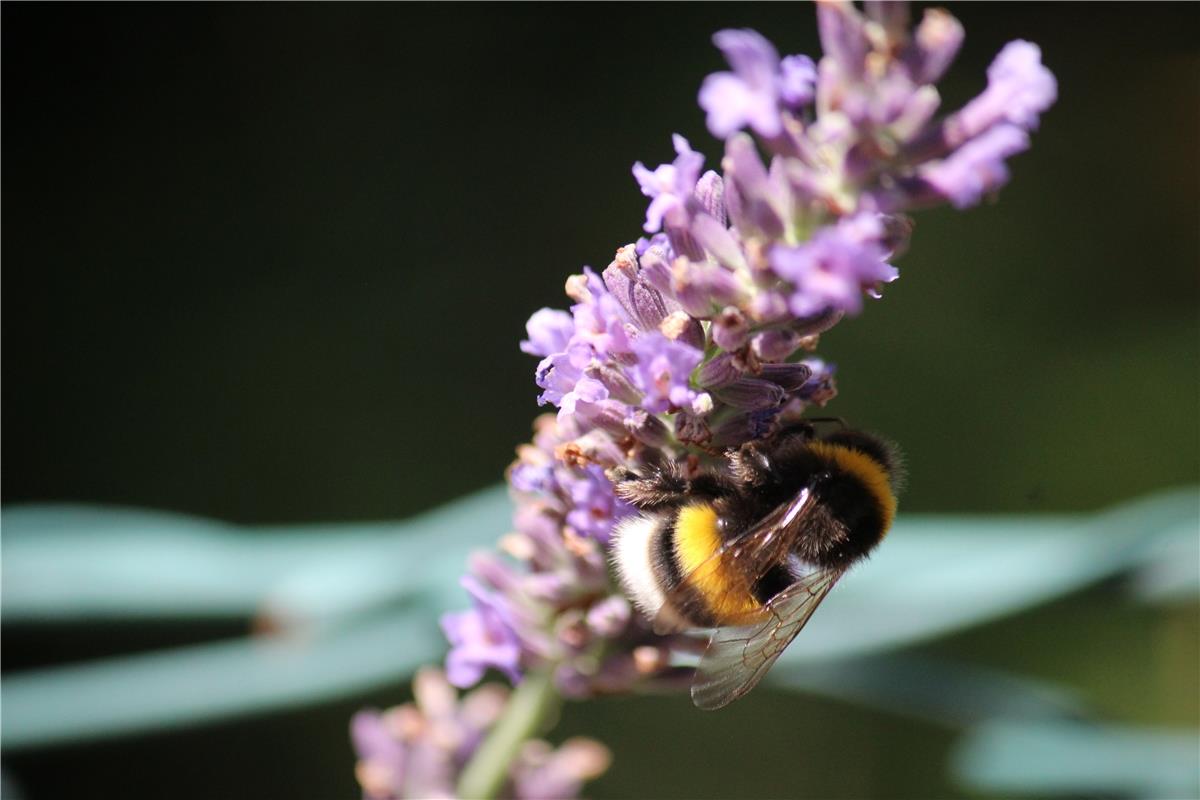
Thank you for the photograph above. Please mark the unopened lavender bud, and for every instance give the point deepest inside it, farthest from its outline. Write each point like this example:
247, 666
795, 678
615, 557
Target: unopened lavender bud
690, 428
518, 545
789, 377
817, 323
710, 196
684, 243
730, 329
647, 428
751, 394
607, 415
718, 372
433, 693
656, 267
620, 276
619, 387
680, 327
735, 208
935, 44
774, 345
691, 294
768, 306
843, 37
747, 426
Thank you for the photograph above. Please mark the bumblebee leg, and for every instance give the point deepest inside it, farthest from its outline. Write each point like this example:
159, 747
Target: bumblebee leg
668, 486
750, 464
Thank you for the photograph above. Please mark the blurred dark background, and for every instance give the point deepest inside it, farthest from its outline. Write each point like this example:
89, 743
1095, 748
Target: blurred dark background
270, 263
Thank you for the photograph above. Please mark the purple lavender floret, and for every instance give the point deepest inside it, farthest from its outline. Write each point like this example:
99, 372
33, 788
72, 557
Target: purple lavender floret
834, 268
670, 186
481, 638
549, 332
976, 168
797, 81
757, 90
663, 372
595, 507
1019, 90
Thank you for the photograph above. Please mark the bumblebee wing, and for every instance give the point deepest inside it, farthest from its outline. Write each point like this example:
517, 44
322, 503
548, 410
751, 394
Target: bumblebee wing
745, 557
738, 658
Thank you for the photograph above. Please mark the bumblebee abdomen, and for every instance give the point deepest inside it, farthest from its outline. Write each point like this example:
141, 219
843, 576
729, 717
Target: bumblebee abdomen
670, 567
725, 592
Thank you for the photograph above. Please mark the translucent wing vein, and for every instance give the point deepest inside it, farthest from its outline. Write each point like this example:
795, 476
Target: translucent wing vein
738, 658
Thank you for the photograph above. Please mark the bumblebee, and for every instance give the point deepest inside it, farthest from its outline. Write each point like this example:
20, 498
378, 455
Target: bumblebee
753, 547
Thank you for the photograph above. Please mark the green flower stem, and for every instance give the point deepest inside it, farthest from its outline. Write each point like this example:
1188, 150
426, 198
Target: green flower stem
533, 702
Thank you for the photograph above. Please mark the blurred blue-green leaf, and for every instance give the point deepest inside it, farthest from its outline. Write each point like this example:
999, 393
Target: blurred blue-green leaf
1044, 758
358, 604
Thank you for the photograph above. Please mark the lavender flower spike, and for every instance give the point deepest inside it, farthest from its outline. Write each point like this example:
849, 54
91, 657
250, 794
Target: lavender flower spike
698, 339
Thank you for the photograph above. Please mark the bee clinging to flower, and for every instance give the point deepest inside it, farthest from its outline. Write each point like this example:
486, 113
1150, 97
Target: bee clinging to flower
752, 548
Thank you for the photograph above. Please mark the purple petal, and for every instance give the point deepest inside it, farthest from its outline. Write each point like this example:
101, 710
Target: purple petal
752, 56
1019, 89
549, 332
750, 94
663, 370
670, 186
832, 270
728, 102
798, 81
977, 167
